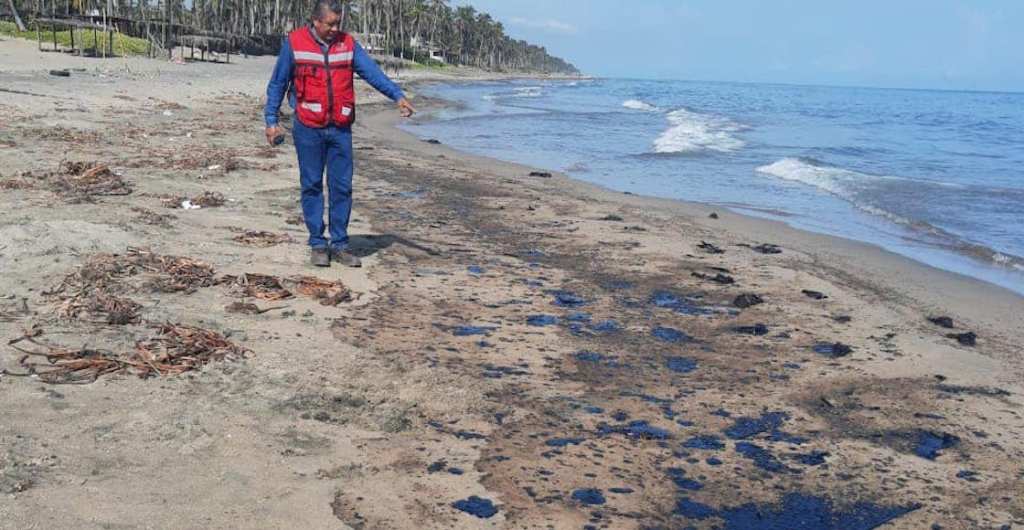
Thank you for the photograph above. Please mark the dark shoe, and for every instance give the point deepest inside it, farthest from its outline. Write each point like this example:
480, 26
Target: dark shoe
346, 258
320, 257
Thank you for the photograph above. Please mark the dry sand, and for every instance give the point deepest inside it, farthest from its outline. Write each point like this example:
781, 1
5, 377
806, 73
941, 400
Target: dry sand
377, 413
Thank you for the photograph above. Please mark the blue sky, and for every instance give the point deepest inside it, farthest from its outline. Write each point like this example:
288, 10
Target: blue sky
946, 44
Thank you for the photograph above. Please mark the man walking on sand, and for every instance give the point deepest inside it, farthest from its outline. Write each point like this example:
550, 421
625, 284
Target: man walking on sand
316, 67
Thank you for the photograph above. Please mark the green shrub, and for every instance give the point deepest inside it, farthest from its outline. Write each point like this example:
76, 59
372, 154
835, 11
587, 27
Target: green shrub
123, 44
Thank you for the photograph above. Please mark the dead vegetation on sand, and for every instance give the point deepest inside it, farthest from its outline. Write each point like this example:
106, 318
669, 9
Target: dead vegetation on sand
172, 349
73, 181
260, 238
266, 287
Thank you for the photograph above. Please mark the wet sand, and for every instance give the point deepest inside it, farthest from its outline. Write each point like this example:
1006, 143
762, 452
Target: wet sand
557, 354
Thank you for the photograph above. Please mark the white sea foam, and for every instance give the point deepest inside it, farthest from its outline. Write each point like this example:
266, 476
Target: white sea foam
518, 92
831, 179
692, 132
636, 104
849, 185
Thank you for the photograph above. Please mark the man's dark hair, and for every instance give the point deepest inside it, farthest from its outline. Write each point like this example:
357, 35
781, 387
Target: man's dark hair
322, 6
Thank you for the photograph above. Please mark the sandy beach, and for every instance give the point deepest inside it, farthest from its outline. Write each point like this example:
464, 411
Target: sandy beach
571, 356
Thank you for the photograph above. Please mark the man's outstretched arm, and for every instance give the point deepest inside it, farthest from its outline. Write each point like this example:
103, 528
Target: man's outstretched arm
367, 69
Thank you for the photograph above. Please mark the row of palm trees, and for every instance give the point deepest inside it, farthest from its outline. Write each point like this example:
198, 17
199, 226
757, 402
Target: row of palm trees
410, 29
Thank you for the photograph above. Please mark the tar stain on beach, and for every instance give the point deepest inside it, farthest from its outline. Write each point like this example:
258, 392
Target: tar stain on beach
670, 335
796, 511
681, 365
589, 496
476, 506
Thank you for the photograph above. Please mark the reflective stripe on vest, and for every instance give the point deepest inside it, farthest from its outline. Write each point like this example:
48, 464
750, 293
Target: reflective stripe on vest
340, 57
311, 57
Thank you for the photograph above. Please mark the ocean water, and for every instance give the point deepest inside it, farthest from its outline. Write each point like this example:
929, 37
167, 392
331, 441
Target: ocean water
933, 175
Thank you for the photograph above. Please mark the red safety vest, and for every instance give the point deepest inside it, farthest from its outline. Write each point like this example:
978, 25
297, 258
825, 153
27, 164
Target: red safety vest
324, 91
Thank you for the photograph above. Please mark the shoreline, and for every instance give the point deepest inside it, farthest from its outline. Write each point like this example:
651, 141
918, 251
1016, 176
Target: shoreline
894, 276
971, 260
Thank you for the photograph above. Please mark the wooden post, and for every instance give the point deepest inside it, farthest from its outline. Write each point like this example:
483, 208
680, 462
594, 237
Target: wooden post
39, 36
95, 42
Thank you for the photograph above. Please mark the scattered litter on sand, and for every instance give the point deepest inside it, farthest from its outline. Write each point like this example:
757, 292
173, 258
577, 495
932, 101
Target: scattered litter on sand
209, 199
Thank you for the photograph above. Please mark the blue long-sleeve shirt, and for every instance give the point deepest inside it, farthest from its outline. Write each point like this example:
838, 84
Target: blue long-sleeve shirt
281, 79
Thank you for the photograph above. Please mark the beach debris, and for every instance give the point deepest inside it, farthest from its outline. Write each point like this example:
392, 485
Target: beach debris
967, 339
93, 289
75, 181
173, 349
612, 218
477, 507
744, 301
262, 286
814, 295
721, 279
61, 73
327, 292
260, 238
942, 322
833, 350
208, 199
767, 248
842, 319
62, 365
713, 215
710, 248
97, 304
176, 348
540, 174
245, 308
152, 218
432, 141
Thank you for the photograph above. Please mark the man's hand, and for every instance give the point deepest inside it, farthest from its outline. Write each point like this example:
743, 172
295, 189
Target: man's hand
273, 133
406, 108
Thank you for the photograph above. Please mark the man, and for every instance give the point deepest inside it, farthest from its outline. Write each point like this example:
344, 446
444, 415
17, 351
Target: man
316, 67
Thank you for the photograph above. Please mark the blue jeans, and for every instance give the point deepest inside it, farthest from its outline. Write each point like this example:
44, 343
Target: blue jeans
330, 148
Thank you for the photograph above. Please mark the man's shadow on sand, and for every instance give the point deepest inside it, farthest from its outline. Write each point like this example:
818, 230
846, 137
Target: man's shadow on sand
368, 245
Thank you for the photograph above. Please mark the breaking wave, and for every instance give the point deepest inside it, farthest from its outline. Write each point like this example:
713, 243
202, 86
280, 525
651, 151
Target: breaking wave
851, 185
692, 132
636, 104
519, 92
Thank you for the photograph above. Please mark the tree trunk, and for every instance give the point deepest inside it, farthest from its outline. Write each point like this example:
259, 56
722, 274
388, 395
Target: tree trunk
17, 19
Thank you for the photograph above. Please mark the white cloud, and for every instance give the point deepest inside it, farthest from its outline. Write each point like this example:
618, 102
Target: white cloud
548, 24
